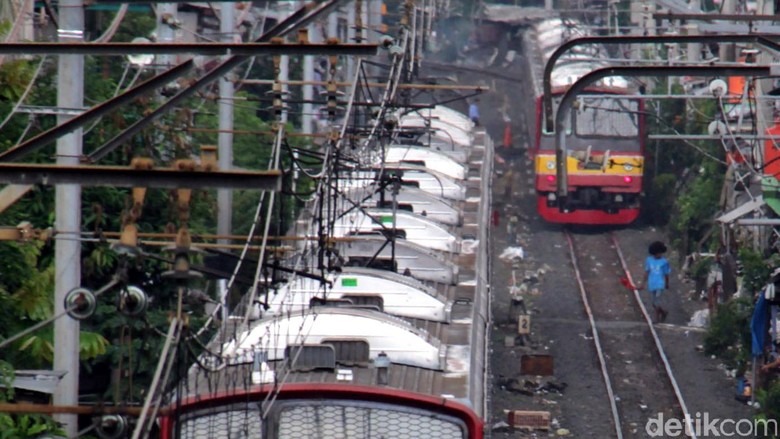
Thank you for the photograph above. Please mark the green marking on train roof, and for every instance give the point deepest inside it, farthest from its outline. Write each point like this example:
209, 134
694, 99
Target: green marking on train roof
348, 282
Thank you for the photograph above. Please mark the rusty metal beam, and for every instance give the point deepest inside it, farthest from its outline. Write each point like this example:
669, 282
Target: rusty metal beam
210, 49
564, 108
74, 409
370, 84
123, 176
765, 40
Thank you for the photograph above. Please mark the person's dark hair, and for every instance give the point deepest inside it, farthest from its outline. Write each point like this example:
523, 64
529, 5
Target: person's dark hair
657, 248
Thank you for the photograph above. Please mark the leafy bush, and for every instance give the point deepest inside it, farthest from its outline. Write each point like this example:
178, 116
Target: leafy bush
755, 269
769, 399
21, 426
697, 206
728, 335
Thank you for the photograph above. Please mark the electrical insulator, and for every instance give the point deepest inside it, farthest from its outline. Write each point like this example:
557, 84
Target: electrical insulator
80, 303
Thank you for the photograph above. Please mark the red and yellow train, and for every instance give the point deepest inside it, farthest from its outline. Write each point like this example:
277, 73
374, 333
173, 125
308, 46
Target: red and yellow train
604, 139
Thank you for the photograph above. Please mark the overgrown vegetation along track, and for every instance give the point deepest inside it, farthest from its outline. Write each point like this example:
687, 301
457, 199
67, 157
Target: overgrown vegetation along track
639, 381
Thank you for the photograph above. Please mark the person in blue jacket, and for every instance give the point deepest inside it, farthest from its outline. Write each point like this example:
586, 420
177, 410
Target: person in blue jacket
474, 112
657, 271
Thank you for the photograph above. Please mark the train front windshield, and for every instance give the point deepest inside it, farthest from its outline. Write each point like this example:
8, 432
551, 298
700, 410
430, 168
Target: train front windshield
607, 117
600, 119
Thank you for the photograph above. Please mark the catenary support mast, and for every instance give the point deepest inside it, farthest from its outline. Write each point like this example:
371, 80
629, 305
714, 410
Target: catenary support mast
70, 94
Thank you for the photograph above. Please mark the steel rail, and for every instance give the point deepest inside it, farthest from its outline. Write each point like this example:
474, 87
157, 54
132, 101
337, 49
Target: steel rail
596, 338
659, 347
765, 40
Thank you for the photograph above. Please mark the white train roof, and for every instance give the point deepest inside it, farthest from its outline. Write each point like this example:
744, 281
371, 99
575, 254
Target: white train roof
433, 182
401, 295
420, 262
402, 342
430, 159
422, 203
458, 136
419, 229
446, 115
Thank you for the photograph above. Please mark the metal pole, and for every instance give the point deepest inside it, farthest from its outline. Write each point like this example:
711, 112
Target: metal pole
225, 144
70, 93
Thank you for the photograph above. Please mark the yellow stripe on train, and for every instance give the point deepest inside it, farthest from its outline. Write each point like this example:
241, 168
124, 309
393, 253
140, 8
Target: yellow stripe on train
616, 164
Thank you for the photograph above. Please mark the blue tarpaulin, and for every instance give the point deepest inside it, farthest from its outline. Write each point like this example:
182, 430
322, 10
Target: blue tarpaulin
758, 325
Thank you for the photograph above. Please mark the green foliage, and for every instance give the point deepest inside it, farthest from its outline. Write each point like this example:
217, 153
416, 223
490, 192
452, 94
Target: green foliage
755, 268
769, 401
696, 207
701, 269
728, 335
14, 78
21, 426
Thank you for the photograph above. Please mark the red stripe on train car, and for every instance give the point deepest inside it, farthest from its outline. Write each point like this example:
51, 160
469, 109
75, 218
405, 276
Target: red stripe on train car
292, 391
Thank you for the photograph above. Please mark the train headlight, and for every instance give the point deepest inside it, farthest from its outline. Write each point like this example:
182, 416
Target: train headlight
628, 167
550, 165
627, 179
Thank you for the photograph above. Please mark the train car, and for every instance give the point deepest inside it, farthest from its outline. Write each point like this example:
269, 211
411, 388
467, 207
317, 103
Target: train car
605, 139
392, 343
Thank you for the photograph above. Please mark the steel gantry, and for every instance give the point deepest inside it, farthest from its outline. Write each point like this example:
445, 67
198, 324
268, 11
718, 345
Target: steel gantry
564, 108
765, 40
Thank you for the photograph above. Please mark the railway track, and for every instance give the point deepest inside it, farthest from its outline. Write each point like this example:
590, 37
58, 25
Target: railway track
639, 380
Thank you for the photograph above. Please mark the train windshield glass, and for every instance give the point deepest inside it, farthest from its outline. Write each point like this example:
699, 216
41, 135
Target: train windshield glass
607, 117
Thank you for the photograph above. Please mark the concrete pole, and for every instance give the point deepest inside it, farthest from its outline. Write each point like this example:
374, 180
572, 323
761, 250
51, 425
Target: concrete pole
307, 119
333, 24
368, 24
284, 76
166, 33
694, 49
225, 143
350, 38
67, 252
727, 52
